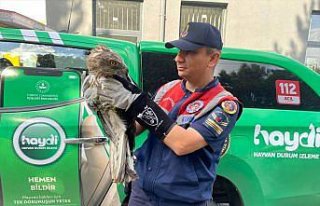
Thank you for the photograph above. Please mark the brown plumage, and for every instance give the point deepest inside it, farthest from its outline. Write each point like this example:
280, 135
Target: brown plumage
103, 63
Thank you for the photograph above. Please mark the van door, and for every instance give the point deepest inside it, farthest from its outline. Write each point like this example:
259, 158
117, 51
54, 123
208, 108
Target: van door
275, 146
273, 152
37, 167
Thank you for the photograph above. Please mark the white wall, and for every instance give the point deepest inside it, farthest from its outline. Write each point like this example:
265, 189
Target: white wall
151, 18
173, 19
161, 19
273, 25
58, 12
270, 25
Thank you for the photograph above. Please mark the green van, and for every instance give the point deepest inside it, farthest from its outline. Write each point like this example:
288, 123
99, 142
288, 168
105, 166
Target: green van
272, 157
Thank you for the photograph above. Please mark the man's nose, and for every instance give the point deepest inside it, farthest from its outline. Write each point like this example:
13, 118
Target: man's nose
180, 57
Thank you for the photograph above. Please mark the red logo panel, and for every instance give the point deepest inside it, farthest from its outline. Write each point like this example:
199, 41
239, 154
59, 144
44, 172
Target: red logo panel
288, 92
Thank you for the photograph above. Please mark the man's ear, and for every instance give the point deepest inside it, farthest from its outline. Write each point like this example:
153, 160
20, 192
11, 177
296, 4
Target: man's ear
214, 59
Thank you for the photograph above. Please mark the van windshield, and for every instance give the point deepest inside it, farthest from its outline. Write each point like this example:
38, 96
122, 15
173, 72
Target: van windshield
36, 55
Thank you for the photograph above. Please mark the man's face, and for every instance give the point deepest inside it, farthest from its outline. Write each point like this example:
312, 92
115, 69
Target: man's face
194, 64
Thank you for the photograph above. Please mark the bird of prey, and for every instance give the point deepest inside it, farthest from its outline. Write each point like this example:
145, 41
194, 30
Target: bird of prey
103, 63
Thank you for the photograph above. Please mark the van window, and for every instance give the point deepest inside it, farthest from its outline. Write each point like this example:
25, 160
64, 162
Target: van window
255, 85
34, 55
157, 69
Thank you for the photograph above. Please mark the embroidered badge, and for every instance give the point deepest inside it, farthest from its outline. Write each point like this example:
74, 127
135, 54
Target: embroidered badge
185, 31
229, 107
220, 118
225, 146
194, 106
185, 119
183, 34
212, 124
148, 116
217, 120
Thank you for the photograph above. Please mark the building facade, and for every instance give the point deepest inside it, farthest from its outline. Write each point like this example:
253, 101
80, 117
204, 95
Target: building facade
290, 27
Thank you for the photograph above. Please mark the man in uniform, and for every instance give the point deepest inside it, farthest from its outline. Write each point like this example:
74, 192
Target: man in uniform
189, 121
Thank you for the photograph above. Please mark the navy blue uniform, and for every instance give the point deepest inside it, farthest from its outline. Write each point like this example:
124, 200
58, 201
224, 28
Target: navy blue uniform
168, 179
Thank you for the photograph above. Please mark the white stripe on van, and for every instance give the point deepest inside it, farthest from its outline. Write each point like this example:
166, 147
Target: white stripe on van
29, 35
55, 37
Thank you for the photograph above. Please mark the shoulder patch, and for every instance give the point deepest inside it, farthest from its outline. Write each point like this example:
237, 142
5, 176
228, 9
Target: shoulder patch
217, 121
229, 107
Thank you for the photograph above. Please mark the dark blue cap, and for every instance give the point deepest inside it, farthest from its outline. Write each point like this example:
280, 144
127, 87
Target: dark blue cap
197, 35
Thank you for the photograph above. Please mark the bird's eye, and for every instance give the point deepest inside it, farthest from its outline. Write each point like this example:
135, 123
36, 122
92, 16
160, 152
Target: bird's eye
113, 63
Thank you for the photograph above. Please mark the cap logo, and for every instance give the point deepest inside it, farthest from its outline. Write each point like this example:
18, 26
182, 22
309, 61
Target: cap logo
185, 31
183, 34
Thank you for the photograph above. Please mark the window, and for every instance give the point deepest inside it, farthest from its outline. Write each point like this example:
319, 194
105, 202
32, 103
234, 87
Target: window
312, 59
155, 73
34, 55
255, 85
212, 13
119, 19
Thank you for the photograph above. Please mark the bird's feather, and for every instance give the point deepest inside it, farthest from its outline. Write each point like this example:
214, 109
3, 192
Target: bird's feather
103, 63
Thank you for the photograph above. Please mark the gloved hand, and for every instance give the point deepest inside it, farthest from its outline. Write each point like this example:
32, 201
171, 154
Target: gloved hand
125, 95
114, 93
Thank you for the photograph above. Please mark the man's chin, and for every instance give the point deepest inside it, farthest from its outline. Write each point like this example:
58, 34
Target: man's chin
182, 75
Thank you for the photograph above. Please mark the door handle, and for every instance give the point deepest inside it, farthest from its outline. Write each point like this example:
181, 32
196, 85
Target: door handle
86, 140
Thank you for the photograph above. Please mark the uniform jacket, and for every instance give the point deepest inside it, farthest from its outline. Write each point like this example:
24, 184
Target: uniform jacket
172, 179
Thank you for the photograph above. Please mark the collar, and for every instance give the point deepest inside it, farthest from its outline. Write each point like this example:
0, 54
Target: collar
210, 85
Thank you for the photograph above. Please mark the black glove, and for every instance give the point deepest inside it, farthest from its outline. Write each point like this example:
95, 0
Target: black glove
146, 111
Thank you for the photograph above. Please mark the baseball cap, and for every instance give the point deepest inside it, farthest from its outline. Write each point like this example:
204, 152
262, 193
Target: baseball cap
197, 35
